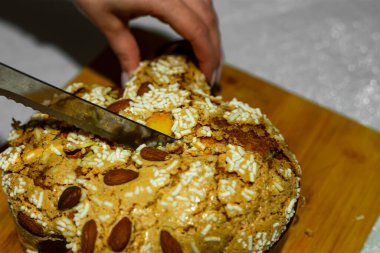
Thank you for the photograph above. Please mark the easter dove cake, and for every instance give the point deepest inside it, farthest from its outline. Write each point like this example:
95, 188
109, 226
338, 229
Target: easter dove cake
228, 183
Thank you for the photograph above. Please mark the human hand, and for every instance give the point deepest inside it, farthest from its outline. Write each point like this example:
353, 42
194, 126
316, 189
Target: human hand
194, 20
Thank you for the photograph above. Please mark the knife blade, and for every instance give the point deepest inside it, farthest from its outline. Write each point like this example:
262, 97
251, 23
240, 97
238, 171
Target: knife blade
74, 110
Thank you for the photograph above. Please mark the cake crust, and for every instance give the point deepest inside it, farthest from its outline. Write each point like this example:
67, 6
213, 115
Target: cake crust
229, 184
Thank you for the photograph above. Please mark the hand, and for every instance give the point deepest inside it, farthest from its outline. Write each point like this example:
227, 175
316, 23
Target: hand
194, 20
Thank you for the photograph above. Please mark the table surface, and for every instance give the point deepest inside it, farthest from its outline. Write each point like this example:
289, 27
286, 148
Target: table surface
340, 160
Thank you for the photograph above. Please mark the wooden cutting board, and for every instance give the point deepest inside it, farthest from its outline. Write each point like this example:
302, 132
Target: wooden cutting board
340, 197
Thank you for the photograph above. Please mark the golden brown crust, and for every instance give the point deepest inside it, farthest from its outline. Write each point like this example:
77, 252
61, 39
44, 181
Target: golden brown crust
229, 185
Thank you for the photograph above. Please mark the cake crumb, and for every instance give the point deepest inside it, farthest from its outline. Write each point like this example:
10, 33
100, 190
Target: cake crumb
360, 217
309, 232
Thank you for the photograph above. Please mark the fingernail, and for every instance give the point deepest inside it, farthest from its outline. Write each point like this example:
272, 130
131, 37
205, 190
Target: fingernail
215, 78
124, 78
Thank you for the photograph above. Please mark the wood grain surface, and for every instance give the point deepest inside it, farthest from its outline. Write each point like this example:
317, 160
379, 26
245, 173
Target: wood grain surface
339, 157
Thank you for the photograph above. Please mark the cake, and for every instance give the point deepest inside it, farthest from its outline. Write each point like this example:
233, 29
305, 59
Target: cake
229, 183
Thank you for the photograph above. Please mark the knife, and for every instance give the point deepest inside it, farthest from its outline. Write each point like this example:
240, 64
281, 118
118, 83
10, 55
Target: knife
76, 111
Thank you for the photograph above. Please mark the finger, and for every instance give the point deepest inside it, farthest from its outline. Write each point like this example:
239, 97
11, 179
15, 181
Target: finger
116, 30
124, 44
218, 41
193, 29
216, 33
205, 10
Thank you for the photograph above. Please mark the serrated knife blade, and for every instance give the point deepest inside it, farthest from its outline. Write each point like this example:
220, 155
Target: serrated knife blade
74, 110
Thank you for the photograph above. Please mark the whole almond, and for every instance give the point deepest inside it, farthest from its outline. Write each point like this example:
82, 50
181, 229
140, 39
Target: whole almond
69, 198
119, 105
120, 235
144, 87
119, 176
30, 224
88, 237
153, 154
50, 246
168, 243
